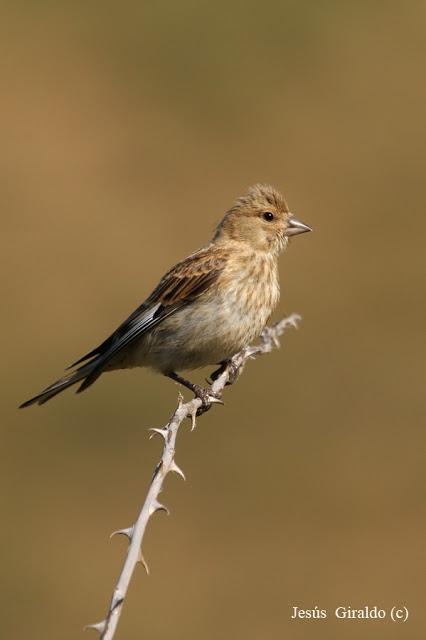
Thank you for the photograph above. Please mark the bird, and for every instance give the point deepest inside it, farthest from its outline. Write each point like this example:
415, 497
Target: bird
207, 307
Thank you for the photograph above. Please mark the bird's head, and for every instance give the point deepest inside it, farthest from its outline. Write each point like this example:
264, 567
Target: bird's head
262, 219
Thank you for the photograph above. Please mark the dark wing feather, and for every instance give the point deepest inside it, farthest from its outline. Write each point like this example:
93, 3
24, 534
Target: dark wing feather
181, 285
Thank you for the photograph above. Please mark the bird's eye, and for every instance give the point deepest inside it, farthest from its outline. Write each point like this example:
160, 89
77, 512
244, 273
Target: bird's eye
268, 216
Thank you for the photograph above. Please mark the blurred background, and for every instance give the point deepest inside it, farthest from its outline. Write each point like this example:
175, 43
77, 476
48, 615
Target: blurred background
127, 130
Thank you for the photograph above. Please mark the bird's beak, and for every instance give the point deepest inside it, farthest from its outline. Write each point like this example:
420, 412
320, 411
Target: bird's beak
295, 227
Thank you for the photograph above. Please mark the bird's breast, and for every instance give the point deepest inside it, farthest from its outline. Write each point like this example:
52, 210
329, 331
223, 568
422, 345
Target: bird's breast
252, 292
219, 323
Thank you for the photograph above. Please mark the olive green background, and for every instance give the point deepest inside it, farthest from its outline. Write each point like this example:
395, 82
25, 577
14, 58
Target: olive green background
126, 130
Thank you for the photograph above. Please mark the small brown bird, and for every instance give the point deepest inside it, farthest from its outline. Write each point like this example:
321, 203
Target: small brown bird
207, 307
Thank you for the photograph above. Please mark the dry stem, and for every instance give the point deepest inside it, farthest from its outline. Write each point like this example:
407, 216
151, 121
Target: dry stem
135, 533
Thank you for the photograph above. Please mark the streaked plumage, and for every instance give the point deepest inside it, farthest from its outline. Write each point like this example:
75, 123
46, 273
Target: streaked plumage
208, 306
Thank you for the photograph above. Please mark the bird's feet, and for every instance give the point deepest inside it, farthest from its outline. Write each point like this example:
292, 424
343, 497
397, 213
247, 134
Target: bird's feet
230, 367
207, 397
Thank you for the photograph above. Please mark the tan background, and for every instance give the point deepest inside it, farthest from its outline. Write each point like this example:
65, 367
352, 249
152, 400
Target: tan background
126, 130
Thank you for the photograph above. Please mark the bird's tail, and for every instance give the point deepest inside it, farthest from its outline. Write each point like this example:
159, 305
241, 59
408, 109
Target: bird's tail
63, 383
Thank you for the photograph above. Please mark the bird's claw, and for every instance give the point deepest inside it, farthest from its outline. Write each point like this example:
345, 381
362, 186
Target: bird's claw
207, 397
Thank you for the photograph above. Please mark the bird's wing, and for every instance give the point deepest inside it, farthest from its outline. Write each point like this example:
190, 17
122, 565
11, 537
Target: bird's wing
184, 283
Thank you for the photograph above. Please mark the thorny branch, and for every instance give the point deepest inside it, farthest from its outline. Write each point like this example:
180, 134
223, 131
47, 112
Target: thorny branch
135, 533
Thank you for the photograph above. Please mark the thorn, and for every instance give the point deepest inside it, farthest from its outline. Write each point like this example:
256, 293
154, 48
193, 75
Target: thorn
157, 506
215, 400
143, 562
123, 532
161, 432
98, 626
192, 414
180, 400
174, 467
